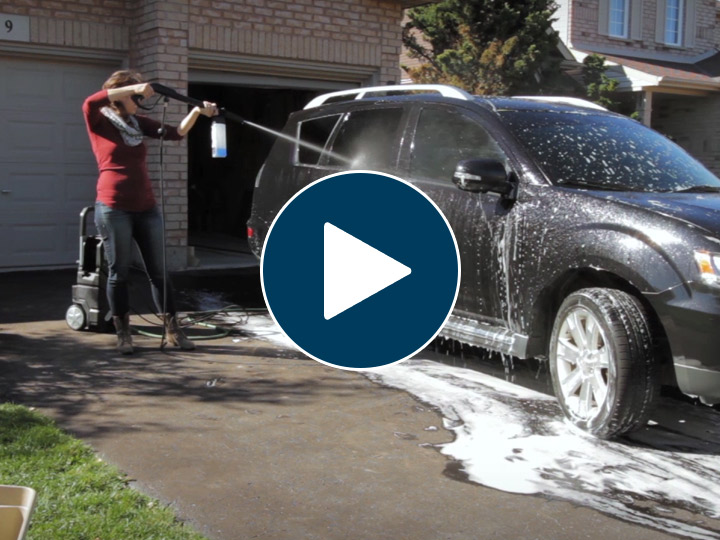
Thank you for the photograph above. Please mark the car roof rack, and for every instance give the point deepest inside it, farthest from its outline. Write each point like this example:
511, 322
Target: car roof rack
562, 100
359, 93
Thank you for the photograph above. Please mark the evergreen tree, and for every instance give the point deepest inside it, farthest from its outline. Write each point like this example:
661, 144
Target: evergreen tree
600, 87
487, 47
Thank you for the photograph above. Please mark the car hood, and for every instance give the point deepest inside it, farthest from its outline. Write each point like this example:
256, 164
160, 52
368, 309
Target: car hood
698, 209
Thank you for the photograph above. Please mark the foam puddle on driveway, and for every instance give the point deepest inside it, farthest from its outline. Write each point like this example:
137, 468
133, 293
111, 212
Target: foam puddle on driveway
514, 439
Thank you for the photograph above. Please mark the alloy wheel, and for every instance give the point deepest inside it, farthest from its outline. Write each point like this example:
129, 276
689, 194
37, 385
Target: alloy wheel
584, 363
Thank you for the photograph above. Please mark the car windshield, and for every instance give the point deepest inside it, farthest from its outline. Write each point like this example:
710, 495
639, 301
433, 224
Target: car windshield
607, 152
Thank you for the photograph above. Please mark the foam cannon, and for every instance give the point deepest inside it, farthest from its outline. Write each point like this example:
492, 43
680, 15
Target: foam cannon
217, 131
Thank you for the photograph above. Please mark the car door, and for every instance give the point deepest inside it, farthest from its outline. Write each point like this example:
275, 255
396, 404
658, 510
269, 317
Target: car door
444, 135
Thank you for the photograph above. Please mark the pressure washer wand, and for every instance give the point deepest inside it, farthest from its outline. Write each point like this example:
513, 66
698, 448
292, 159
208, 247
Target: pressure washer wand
232, 116
217, 130
169, 92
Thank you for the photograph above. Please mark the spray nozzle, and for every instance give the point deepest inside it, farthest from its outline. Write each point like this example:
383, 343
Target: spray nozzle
217, 131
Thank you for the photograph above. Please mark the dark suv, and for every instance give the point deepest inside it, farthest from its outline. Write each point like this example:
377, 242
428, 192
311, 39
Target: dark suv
585, 238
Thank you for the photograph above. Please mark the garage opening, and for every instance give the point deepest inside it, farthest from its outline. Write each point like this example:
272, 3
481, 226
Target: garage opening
220, 189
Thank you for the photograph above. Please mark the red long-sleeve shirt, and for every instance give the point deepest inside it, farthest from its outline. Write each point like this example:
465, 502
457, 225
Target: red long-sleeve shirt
123, 182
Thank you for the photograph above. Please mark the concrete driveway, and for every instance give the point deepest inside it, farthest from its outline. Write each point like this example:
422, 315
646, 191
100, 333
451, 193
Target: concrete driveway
247, 440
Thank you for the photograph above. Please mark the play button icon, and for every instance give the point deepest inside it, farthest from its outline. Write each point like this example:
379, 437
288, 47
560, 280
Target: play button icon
360, 269
354, 271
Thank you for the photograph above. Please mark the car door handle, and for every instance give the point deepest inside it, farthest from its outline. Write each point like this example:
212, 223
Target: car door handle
6, 191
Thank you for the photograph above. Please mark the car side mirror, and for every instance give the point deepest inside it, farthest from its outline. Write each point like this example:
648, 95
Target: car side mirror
483, 175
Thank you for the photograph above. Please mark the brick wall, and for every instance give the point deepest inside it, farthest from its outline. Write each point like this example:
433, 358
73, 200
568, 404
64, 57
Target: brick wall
706, 25
159, 50
102, 11
584, 16
100, 24
406, 61
364, 32
158, 36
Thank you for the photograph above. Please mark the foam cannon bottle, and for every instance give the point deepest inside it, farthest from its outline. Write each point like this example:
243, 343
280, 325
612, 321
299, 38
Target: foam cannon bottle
218, 137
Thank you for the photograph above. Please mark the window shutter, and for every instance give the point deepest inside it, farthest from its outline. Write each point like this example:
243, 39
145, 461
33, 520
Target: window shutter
636, 19
660, 21
690, 23
604, 17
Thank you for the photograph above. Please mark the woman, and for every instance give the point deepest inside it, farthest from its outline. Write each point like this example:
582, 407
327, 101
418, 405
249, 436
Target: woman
125, 209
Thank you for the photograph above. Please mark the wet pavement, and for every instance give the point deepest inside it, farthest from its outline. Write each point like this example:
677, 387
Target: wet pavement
248, 439
664, 476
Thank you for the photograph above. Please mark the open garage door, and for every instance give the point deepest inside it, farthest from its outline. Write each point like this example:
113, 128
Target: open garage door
265, 90
47, 170
220, 190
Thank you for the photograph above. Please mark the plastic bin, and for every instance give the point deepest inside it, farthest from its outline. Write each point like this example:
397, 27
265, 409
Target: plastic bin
16, 505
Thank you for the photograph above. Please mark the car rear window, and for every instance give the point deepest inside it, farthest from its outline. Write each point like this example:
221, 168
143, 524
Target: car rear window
314, 134
604, 151
367, 139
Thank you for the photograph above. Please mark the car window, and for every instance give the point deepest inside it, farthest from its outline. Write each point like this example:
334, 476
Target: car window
314, 134
443, 138
367, 139
606, 152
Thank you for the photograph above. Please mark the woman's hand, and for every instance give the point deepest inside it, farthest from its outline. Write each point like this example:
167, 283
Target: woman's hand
209, 109
143, 89
122, 92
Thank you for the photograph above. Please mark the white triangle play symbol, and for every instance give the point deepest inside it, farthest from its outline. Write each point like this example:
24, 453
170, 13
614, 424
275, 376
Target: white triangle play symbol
354, 271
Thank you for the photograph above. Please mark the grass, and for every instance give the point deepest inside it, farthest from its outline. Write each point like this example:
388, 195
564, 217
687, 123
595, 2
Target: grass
79, 497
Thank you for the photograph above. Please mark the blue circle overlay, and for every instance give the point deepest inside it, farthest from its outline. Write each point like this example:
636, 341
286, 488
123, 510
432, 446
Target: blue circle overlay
393, 217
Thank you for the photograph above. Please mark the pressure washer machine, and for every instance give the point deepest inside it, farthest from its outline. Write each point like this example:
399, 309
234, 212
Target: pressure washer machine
89, 309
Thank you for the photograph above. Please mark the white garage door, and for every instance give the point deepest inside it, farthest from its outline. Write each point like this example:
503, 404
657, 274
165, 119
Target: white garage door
47, 171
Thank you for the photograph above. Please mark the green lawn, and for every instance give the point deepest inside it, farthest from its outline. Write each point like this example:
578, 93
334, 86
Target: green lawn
79, 497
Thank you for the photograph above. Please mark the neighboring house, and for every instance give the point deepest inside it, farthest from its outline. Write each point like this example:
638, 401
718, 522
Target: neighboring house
261, 59
664, 53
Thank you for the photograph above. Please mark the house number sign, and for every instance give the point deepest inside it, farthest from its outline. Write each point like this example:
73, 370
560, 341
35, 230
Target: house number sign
14, 27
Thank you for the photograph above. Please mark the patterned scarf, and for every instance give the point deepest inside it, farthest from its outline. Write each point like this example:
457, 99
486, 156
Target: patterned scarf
130, 132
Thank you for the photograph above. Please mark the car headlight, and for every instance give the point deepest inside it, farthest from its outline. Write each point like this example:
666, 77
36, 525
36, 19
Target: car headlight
709, 265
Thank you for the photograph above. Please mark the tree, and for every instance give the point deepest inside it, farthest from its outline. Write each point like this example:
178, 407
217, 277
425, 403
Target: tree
600, 87
484, 46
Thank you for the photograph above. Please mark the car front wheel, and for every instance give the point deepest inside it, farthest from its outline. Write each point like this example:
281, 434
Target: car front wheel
602, 362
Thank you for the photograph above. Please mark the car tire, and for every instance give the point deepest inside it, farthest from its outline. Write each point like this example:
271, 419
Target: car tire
603, 362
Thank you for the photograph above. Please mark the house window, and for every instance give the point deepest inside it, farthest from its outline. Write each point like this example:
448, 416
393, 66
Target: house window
673, 22
619, 14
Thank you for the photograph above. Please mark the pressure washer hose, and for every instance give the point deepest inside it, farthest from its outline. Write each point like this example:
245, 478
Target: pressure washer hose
222, 332
167, 93
198, 319
162, 221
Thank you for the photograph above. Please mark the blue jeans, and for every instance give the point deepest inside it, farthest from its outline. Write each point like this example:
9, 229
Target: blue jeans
118, 229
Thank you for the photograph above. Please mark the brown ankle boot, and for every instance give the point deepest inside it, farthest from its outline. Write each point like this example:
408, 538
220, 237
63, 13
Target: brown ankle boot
124, 335
175, 335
